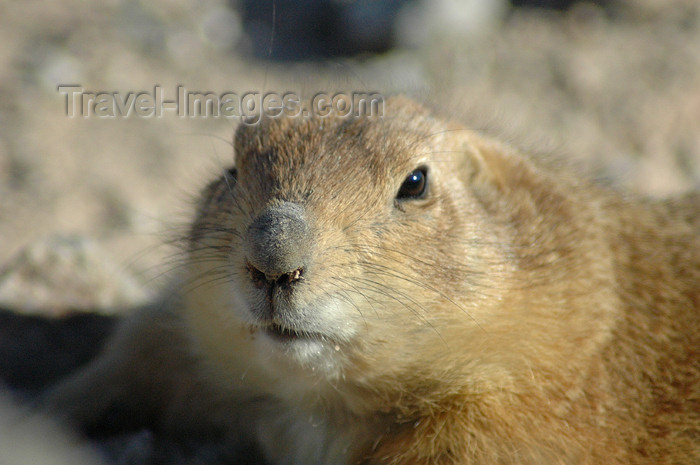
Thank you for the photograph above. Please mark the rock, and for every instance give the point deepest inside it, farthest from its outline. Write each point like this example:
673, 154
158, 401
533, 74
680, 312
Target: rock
67, 273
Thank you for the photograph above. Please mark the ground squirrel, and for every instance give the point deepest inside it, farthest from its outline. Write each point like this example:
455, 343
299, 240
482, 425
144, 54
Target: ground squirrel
402, 290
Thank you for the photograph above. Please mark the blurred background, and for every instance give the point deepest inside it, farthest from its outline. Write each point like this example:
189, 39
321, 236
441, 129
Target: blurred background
613, 82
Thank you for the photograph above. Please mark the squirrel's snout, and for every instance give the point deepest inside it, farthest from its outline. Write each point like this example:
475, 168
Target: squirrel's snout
279, 245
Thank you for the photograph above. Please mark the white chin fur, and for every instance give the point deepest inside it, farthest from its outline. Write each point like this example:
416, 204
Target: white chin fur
310, 354
331, 323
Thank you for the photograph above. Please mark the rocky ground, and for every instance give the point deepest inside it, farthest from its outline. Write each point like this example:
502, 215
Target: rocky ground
89, 205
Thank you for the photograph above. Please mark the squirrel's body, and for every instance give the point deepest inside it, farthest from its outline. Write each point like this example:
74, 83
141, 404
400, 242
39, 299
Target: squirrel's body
335, 311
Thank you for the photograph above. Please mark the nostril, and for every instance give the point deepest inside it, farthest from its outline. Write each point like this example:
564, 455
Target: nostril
260, 279
291, 277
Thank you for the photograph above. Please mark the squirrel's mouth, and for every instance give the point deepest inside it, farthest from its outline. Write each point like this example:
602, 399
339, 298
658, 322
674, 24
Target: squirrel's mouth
284, 333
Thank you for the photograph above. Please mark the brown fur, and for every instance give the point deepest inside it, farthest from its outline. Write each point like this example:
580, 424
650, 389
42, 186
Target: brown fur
516, 315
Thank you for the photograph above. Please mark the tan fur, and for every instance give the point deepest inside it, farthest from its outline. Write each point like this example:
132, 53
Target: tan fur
516, 315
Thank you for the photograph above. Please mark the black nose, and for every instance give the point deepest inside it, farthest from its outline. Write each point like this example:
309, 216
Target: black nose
279, 244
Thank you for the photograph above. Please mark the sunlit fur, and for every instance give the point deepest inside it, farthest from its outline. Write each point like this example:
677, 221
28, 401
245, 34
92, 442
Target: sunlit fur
514, 315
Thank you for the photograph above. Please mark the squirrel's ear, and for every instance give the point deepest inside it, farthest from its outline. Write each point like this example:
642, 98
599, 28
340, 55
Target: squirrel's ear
489, 165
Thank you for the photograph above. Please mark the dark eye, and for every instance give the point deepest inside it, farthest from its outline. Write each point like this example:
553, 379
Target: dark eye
414, 186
